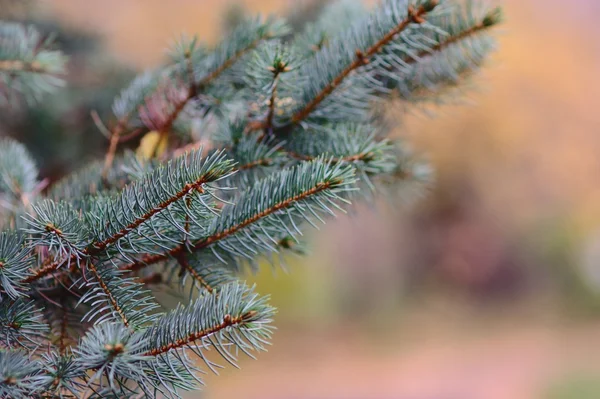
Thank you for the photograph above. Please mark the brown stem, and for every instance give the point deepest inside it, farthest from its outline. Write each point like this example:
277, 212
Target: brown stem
229, 63
362, 58
112, 148
186, 265
271, 114
180, 343
258, 162
152, 259
166, 127
195, 87
22, 66
44, 271
108, 293
450, 41
197, 185
349, 158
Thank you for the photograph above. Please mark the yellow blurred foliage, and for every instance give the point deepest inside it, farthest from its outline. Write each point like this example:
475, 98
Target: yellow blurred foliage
153, 144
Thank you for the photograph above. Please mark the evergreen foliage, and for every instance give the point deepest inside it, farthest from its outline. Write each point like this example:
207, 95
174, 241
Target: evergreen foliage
291, 131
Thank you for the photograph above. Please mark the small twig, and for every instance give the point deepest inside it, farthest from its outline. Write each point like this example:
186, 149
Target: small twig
175, 252
363, 58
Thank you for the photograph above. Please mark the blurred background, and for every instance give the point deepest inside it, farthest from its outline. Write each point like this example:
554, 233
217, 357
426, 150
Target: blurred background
486, 287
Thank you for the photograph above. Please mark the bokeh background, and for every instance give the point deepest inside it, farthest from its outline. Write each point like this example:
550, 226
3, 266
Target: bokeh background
486, 287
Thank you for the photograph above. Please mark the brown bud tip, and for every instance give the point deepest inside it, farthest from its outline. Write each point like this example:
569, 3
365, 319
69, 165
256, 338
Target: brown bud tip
52, 228
15, 325
10, 380
114, 349
227, 319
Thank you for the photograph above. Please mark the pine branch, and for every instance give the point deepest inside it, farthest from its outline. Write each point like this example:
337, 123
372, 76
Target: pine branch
195, 275
21, 325
302, 128
60, 377
228, 321
45, 271
112, 297
255, 206
451, 52
18, 172
28, 63
108, 293
235, 317
363, 57
157, 200
18, 374
15, 265
59, 227
187, 189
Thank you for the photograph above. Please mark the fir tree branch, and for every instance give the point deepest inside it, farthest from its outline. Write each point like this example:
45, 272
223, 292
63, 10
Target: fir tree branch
221, 235
187, 189
21, 325
228, 321
157, 198
108, 293
113, 297
12, 66
182, 220
44, 271
363, 57
348, 158
489, 21
196, 87
235, 319
18, 172
195, 275
322, 186
254, 164
15, 265
28, 63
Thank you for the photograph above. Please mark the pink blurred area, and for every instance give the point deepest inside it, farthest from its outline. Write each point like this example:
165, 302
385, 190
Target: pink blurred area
475, 292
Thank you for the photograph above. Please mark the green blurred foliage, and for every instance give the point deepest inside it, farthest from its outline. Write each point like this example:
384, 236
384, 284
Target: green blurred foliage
575, 387
59, 131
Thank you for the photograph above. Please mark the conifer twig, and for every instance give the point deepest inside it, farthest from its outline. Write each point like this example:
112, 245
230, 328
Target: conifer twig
13, 66
363, 57
228, 321
188, 188
108, 293
183, 262
153, 259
